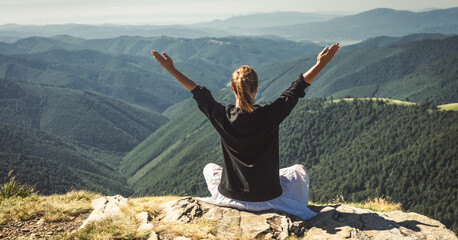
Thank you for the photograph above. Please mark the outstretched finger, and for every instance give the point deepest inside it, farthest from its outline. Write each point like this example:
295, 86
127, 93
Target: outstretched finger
157, 56
333, 49
325, 50
165, 56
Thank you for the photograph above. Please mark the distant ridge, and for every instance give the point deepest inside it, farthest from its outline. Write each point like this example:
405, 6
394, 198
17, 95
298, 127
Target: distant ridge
372, 23
259, 20
289, 25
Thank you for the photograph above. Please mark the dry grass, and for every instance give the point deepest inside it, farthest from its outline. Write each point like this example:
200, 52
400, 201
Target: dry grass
50, 208
197, 229
117, 227
386, 100
448, 107
12, 188
378, 204
150, 204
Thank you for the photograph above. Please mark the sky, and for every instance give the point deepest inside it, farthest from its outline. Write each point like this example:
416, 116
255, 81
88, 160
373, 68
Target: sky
162, 12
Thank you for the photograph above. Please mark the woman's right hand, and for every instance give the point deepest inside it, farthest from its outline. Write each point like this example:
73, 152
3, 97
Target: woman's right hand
166, 62
327, 54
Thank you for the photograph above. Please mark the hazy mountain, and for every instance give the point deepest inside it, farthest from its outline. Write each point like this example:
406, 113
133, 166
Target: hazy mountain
372, 23
287, 25
105, 31
385, 41
216, 28
229, 52
259, 20
9, 39
34, 45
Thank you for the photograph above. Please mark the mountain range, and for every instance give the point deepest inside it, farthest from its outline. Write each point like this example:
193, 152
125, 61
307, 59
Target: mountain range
123, 67
290, 25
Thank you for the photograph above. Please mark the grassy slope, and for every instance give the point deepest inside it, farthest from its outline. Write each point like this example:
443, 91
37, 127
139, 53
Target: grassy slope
449, 107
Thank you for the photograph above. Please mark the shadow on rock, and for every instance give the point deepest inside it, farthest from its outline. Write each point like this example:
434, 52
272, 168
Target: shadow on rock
348, 221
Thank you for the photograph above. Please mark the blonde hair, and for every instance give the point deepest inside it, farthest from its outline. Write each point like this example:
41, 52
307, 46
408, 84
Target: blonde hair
244, 82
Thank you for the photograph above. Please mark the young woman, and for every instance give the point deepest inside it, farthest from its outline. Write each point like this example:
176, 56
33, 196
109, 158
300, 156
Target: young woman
251, 178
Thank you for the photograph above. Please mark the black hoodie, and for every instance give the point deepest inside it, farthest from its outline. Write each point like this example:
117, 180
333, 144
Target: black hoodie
250, 143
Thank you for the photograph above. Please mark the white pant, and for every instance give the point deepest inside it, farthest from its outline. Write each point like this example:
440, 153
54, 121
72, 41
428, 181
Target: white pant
293, 180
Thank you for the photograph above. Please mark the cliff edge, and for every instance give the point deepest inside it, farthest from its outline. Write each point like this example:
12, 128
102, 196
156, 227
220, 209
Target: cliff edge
115, 217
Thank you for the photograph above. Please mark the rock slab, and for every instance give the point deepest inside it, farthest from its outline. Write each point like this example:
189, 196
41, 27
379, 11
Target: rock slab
105, 207
332, 222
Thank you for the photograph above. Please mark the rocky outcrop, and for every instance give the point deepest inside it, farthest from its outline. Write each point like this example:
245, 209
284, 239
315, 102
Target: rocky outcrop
231, 223
343, 222
332, 222
105, 207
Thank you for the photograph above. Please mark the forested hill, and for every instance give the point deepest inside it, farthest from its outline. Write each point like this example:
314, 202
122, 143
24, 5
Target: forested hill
123, 68
416, 68
83, 117
419, 67
63, 139
52, 164
423, 70
352, 148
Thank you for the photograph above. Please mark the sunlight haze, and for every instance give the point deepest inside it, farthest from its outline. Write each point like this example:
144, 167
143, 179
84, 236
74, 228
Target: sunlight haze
39, 12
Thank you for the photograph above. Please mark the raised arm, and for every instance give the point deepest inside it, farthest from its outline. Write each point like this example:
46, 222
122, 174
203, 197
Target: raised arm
167, 63
322, 60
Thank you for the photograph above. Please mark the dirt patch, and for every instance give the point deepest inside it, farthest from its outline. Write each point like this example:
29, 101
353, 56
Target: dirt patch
37, 228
